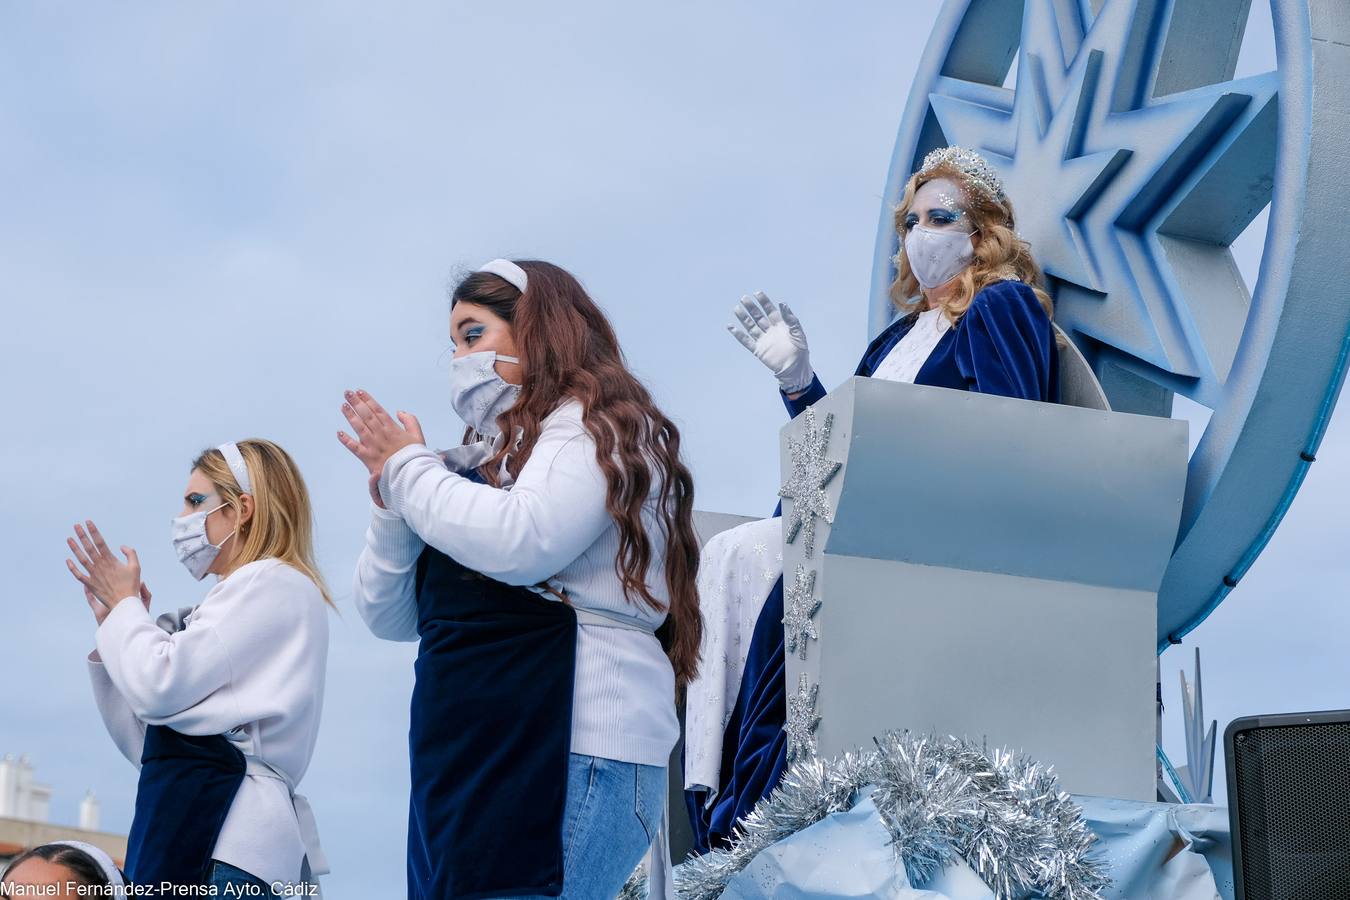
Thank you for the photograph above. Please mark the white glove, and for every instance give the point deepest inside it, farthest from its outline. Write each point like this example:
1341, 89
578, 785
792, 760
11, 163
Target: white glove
774, 335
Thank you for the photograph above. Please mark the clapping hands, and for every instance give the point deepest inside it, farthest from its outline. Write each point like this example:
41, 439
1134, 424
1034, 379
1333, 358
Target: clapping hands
107, 580
378, 436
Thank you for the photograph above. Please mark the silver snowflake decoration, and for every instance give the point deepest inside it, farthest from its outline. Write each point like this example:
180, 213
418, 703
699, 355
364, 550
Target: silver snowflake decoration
802, 720
805, 486
799, 606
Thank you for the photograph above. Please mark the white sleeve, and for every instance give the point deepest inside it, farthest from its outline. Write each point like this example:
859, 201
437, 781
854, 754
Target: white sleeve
126, 730
384, 587
186, 679
161, 674
522, 535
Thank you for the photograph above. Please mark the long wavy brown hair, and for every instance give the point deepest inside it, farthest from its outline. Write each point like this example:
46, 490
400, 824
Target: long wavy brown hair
568, 349
1000, 255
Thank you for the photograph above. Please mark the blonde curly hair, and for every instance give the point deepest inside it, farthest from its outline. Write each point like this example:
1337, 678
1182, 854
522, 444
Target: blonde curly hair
999, 255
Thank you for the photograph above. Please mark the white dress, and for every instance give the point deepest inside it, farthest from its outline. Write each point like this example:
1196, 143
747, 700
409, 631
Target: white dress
912, 351
736, 571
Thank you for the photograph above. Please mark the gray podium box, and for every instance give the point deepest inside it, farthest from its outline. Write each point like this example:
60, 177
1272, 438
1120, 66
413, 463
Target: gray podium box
991, 573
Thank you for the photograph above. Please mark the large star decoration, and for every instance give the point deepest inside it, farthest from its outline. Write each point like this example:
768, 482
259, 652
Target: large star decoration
802, 720
800, 607
1117, 182
805, 486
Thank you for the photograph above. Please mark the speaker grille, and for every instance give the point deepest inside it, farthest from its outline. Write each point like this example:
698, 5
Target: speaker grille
1293, 811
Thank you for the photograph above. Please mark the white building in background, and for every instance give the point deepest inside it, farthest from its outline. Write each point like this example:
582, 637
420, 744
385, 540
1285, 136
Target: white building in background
25, 807
89, 812
20, 796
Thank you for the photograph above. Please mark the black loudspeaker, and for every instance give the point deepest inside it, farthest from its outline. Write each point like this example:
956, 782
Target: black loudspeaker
1289, 805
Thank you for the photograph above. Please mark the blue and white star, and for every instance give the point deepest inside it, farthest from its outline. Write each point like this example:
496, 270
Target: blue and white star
1126, 191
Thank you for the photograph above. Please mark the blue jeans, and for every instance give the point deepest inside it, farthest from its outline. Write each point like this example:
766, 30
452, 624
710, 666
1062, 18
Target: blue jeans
221, 875
613, 812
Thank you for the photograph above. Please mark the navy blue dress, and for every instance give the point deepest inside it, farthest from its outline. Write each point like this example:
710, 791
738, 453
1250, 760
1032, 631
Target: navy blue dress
1003, 345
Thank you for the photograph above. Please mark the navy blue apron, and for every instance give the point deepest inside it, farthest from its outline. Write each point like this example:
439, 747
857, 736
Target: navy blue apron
490, 736
186, 787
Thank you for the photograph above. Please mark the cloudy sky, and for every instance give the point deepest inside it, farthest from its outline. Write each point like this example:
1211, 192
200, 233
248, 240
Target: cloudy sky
216, 217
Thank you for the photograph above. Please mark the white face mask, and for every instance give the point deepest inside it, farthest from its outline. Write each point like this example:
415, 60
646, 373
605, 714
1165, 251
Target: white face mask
194, 549
936, 256
478, 394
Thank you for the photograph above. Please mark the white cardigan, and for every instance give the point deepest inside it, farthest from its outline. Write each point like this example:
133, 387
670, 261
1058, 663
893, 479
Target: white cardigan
551, 524
248, 662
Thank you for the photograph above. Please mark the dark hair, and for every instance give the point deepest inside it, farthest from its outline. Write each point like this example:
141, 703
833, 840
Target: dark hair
567, 348
83, 867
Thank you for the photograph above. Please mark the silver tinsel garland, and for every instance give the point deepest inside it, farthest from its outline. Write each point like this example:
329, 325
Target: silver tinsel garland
940, 800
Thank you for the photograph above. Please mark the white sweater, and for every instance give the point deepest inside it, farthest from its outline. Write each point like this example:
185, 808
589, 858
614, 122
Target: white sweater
551, 524
249, 664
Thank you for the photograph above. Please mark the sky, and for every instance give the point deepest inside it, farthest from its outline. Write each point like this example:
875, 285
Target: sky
216, 217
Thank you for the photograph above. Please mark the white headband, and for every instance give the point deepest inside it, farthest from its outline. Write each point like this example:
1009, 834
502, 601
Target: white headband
235, 460
105, 862
504, 268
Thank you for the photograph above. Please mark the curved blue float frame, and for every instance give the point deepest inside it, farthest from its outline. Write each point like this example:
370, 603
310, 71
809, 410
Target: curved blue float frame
1160, 160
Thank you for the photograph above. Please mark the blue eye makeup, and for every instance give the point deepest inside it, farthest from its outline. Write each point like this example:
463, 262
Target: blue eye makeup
195, 499
469, 332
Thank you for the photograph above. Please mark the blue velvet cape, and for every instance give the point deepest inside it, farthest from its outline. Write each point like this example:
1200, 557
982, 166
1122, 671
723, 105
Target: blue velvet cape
1003, 345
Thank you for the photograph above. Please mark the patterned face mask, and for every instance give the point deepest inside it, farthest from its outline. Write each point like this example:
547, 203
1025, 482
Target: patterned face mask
194, 549
936, 256
478, 394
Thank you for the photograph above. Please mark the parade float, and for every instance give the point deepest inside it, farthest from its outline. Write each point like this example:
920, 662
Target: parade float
976, 714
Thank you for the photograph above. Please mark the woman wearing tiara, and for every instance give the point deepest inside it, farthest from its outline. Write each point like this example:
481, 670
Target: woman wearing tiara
972, 317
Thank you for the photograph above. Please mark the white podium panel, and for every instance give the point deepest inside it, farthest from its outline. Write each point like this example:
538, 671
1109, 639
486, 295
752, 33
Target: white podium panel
990, 572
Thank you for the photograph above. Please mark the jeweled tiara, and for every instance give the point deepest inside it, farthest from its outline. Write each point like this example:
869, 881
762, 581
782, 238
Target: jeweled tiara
970, 164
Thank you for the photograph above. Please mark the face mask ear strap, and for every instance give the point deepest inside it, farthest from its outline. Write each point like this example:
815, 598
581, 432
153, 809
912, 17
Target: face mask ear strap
223, 503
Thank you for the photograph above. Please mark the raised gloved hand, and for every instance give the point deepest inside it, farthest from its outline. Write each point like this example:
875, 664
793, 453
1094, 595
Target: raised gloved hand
775, 336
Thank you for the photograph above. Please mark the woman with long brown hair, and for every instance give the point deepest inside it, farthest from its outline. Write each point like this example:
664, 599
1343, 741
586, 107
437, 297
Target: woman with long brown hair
547, 567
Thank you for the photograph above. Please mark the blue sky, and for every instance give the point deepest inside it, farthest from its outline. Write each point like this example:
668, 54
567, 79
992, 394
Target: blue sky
216, 217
